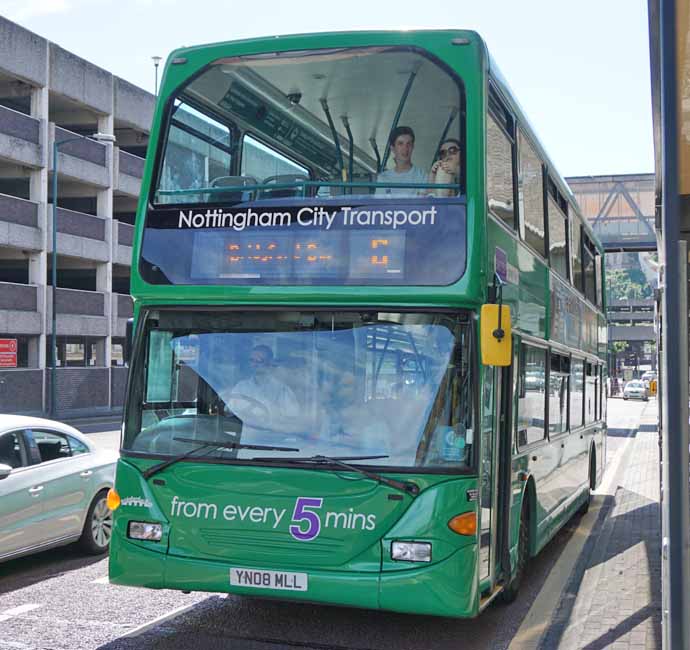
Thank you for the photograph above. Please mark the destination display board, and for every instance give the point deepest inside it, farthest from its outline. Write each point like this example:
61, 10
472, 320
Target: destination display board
419, 242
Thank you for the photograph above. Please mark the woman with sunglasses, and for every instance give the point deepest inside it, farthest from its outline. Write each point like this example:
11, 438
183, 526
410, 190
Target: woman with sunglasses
447, 168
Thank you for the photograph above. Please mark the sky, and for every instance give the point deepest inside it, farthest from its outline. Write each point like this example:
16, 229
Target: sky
580, 69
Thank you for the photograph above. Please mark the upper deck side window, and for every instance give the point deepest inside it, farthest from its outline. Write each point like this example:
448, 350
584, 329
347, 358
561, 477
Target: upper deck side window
531, 193
387, 122
200, 148
589, 253
576, 252
500, 161
557, 211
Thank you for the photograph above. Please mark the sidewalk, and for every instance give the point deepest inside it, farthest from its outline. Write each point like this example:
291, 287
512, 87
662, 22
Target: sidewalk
613, 597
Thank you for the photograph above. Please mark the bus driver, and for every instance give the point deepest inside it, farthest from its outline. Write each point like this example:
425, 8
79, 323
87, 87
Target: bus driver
262, 396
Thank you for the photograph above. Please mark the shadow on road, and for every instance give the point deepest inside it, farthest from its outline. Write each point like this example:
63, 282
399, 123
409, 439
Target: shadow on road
254, 624
611, 544
40, 567
620, 433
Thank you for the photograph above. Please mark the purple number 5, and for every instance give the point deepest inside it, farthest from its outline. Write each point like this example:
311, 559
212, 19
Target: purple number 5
302, 513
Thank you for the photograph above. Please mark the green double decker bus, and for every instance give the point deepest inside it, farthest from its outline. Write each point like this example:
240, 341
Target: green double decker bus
368, 350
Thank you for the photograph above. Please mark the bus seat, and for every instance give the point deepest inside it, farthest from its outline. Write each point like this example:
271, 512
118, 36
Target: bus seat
279, 179
235, 192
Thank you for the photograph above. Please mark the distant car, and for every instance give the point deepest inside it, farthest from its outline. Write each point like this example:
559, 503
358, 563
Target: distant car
647, 377
635, 389
53, 487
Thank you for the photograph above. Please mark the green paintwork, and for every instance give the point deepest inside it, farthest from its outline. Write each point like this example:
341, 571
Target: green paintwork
351, 568
345, 565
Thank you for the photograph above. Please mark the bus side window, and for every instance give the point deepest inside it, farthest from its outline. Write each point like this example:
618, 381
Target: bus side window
500, 153
531, 192
532, 401
577, 380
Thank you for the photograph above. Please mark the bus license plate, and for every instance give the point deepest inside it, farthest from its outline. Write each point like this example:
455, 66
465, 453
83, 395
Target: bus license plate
268, 579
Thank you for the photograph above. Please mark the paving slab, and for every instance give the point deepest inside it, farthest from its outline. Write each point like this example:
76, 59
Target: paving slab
613, 597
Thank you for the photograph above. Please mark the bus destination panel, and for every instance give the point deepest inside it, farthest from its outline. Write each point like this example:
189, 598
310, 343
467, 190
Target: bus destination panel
419, 244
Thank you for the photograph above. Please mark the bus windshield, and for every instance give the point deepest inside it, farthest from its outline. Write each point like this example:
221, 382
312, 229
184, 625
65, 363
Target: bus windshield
340, 384
314, 123
323, 167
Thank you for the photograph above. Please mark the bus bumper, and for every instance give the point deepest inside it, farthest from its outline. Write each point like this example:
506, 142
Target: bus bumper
446, 588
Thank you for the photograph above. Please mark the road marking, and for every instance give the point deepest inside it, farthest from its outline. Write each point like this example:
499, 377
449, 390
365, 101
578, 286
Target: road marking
105, 580
606, 486
157, 621
17, 611
16, 645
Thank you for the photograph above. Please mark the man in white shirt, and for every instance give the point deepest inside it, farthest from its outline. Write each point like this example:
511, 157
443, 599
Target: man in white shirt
262, 400
402, 146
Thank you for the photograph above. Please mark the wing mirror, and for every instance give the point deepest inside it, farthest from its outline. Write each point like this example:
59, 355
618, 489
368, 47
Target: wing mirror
496, 338
5, 471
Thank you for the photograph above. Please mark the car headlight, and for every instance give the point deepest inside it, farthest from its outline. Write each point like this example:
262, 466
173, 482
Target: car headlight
411, 551
145, 530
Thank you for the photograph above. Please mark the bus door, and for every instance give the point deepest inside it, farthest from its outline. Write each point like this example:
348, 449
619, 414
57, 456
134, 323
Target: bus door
495, 476
488, 472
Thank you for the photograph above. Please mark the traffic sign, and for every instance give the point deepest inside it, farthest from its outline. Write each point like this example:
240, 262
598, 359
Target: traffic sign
8, 353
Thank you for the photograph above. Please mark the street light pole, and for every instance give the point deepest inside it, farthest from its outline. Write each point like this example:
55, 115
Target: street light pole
53, 279
156, 61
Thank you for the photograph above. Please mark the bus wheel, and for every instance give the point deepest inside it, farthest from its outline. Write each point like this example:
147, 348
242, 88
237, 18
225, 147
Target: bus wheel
583, 509
510, 591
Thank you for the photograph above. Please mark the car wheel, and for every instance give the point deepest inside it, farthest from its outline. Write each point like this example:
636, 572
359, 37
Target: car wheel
510, 591
98, 527
625, 398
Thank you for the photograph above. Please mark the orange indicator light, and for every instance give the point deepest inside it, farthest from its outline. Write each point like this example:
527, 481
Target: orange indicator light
464, 524
113, 499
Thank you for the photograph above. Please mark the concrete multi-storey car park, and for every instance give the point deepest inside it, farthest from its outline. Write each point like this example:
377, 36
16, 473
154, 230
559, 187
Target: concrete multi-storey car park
47, 93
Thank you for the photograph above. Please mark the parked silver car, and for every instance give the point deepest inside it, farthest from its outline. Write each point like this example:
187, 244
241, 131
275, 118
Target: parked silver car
635, 389
53, 488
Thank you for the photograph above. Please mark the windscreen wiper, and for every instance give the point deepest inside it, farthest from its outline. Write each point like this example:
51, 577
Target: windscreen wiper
204, 444
339, 461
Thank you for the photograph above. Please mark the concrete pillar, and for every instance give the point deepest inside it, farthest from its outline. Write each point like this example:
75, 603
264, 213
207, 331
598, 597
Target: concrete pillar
36, 349
38, 262
104, 273
102, 350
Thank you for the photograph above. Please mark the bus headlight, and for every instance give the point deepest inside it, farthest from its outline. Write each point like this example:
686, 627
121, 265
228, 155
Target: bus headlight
145, 530
411, 551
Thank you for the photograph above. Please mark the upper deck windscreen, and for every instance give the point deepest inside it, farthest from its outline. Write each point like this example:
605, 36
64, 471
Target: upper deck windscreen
316, 167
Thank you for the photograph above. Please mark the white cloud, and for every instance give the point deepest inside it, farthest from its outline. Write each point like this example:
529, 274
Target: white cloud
19, 10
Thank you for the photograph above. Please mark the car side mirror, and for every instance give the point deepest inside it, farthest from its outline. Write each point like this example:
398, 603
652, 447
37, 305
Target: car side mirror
5, 471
